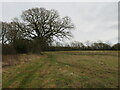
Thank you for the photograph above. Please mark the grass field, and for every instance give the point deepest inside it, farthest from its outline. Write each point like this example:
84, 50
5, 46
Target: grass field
74, 69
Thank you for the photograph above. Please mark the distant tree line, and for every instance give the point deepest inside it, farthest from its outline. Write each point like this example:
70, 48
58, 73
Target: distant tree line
80, 46
25, 46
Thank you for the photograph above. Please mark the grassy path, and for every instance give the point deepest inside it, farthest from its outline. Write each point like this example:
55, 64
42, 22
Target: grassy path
63, 70
23, 74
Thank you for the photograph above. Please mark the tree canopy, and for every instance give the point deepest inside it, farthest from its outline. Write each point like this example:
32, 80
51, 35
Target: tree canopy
47, 24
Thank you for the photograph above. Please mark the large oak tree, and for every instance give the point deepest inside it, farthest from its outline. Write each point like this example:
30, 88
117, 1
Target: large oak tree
43, 26
46, 24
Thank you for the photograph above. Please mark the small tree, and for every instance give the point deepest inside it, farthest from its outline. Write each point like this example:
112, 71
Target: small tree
116, 46
13, 33
100, 46
4, 32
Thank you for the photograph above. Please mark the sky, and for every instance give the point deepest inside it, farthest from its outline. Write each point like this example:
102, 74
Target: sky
93, 21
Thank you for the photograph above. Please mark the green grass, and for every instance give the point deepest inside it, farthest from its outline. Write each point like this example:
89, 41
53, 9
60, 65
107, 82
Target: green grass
75, 69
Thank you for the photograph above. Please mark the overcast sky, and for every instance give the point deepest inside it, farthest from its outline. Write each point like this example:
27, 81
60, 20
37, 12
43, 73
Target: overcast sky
93, 21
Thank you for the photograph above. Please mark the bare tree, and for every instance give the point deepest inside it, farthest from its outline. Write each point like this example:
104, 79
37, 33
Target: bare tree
15, 32
88, 44
116, 46
43, 26
3, 33
100, 46
12, 31
46, 24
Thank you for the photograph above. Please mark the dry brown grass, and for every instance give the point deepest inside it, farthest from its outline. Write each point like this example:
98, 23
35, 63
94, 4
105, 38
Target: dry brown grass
10, 60
76, 69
